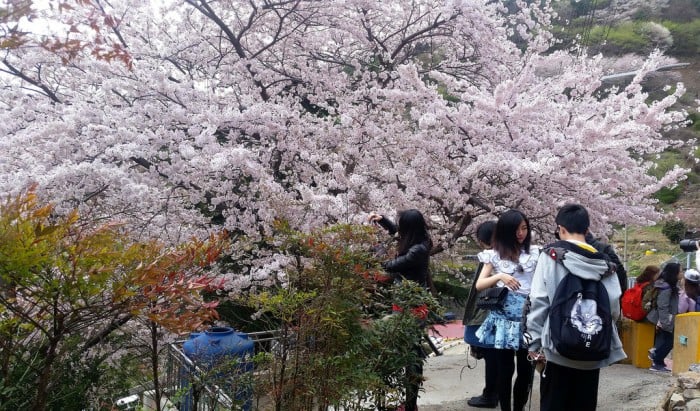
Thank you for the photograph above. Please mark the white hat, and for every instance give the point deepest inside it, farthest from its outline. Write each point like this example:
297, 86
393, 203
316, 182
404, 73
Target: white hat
692, 276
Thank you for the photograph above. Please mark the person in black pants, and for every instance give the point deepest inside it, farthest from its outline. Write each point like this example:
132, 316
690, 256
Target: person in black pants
473, 317
411, 263
511, 265
568, 382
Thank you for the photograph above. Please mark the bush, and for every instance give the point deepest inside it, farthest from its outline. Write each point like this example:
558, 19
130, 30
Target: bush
669, 195
346, 335
674, 230
686, 37
695, 118
629, 37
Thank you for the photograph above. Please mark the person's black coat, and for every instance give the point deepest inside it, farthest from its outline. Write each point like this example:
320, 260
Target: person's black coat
609, 252
412, 265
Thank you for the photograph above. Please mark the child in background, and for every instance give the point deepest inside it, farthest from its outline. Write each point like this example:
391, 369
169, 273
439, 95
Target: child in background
687, 301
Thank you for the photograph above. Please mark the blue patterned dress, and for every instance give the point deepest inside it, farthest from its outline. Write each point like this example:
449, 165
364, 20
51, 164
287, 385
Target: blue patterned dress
503, 328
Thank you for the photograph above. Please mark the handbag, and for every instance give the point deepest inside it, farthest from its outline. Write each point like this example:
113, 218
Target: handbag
492, 298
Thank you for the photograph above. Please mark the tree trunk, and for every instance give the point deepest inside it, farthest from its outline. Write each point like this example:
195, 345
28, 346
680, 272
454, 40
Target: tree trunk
45, 376
157, 394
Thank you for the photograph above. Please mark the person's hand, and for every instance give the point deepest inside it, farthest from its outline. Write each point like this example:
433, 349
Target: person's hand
374, 218
536, 356
509, 281
538, 360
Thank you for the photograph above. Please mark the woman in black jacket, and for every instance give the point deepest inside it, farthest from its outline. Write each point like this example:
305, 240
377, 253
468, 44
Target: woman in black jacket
411, 263
413, 249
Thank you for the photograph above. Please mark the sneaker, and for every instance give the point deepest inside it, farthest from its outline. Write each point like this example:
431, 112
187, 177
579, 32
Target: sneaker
651, 353
659, 368
482, 402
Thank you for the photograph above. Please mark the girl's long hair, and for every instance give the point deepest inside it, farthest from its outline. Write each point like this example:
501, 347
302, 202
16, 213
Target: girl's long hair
505, 241
412, 230
649, 273
670, 274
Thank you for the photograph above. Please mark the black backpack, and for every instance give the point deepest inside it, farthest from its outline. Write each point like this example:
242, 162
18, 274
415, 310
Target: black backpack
580, 321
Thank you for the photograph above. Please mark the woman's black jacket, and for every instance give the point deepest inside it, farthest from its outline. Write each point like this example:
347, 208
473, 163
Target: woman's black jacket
413, 264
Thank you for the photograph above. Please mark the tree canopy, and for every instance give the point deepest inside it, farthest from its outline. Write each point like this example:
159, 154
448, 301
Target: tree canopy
238, 113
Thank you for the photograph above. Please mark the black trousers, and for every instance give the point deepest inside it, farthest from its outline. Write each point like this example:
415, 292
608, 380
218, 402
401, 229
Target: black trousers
490, 391
663, 344
506, 364
414, 380
570, 389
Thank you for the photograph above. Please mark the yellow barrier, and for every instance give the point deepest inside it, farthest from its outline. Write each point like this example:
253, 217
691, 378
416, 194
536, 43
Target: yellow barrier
686, 341
637, 338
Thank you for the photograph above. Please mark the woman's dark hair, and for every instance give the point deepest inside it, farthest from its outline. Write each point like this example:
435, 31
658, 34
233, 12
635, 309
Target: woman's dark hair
484, 232
670, 274
505, 240
649, 273
412, 230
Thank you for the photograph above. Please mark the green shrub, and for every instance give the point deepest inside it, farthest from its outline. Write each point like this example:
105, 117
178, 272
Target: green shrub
669, 195
695, 118
666, 162
623, 38
674, 230
347, 334
686, 37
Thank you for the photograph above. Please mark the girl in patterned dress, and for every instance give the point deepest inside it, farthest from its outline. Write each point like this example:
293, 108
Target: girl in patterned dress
511, 264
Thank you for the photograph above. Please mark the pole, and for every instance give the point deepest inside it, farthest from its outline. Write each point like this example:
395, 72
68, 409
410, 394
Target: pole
625, 251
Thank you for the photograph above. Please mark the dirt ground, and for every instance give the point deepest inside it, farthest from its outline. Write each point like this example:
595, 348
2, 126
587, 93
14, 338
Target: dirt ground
622, 387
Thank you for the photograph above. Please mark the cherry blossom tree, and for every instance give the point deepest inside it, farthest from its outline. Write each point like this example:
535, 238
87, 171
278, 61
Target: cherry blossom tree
237, 113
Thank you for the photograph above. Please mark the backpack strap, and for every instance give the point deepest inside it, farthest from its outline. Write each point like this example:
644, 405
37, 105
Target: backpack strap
557, 251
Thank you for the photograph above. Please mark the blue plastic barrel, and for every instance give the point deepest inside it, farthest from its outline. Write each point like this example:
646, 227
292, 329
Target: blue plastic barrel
228, 354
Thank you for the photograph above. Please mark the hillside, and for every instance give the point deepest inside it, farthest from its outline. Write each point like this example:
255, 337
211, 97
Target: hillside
618, 28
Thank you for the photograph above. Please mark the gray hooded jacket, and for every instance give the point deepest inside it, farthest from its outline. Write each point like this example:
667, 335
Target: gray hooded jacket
586, 263
665, 309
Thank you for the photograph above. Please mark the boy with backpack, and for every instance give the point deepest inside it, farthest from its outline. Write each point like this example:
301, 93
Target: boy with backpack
574, 298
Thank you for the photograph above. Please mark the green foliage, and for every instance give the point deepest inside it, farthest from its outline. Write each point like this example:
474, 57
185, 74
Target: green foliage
346, 335
68, 287
674, 230
623, 38
663, 164
695, 118
643, 13
450, 281
669, 195
686, 37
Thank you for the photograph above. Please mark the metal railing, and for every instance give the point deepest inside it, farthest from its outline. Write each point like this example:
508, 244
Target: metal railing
190, 387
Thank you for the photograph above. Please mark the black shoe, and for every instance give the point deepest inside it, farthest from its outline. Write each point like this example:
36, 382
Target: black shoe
482, 402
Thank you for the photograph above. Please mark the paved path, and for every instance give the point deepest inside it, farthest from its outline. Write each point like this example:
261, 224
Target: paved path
450, 383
